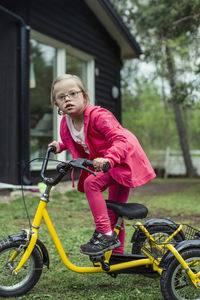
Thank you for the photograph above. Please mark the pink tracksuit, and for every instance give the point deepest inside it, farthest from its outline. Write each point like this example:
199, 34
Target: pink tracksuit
105, 137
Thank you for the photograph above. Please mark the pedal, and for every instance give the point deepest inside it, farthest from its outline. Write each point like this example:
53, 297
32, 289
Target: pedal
96, 259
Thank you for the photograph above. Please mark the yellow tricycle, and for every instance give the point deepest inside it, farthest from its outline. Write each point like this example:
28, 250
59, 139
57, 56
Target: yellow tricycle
160, 247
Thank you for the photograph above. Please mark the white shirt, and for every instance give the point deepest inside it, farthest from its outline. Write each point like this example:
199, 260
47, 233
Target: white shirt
78, 136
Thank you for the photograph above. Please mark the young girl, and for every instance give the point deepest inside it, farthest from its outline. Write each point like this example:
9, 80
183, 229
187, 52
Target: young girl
92, 132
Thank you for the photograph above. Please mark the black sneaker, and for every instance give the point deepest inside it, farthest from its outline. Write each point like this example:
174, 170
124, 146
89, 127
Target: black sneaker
100, 243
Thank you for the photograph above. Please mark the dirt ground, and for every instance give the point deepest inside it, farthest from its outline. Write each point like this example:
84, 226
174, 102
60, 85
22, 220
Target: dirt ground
164, 188
151, 188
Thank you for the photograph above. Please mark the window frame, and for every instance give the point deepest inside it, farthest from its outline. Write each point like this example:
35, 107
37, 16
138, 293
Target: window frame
62, 50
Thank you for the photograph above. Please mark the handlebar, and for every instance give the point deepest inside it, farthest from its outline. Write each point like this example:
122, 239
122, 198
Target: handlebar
45, 179
64, 167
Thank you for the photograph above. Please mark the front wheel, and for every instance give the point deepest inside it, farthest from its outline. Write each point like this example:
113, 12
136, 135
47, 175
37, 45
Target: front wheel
175, 283
29, 274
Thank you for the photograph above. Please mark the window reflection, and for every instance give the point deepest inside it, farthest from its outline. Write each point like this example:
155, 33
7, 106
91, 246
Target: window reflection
77, 66
42, 62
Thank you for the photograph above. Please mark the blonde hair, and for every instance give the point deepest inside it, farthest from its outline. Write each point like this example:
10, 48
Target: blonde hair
78, 81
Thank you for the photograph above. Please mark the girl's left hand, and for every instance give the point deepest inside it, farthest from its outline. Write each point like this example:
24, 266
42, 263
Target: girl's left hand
99, 162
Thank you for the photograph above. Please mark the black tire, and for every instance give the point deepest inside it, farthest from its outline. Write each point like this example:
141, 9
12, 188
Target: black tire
28, 276
159, 232
175, 283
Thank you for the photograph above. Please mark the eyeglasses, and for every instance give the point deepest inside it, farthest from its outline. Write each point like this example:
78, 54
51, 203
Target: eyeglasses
71, 95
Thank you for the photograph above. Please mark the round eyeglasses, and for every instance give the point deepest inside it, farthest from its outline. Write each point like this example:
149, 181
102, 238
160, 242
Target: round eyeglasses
70, 95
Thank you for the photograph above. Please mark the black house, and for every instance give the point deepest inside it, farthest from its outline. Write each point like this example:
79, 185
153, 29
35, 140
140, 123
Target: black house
40, 40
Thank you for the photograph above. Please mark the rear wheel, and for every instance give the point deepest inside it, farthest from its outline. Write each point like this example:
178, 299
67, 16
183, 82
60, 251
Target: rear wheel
29, 274
175, 283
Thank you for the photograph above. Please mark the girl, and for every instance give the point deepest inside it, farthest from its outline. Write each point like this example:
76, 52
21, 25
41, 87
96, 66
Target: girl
92, 132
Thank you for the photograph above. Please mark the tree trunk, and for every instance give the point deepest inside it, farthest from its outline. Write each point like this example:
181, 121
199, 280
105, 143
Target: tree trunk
190, 171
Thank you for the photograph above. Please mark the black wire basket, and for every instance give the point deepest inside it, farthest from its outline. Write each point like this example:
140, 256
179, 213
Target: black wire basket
157, 246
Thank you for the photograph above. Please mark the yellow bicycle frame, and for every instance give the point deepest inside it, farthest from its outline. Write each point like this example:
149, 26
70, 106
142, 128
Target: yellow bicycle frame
42, 213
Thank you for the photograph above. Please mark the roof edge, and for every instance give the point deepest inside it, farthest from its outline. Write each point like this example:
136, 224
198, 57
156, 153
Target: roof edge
113, 23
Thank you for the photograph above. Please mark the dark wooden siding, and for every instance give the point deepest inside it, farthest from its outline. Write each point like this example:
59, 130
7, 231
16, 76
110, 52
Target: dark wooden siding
72, 22
9, 35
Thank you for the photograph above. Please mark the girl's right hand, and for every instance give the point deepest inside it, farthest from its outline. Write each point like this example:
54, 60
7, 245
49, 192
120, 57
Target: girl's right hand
56, 144
99, 163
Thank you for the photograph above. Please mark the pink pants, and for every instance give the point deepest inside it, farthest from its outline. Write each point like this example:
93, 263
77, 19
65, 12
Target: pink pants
105, 219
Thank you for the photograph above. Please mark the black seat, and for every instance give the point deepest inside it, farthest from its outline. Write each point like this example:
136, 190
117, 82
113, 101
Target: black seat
128, 210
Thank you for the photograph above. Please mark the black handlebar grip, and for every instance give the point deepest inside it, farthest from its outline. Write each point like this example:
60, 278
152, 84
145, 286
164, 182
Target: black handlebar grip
106, 167
88, 163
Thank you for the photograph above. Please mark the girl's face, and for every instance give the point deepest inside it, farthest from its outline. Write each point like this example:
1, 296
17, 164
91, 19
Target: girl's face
69, 97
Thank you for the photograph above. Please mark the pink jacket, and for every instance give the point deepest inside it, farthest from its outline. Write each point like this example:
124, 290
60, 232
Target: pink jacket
105, 137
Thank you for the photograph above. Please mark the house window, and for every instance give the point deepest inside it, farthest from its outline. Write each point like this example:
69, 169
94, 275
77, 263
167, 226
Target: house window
48, 59
76, 66
42, 65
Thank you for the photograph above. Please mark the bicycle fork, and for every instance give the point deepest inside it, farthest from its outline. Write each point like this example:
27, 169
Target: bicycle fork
32, 234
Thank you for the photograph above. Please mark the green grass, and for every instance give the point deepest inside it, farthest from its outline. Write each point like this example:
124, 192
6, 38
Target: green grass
73, 221
183, 203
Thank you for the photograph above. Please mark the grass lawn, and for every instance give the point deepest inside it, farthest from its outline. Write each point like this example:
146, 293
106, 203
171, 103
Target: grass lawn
74, 225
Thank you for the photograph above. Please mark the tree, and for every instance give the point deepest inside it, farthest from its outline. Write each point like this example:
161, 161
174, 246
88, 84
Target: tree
166, 30
144, 114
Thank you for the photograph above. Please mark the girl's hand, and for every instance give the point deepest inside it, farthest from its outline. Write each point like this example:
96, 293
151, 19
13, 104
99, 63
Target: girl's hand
99, 163
56, 144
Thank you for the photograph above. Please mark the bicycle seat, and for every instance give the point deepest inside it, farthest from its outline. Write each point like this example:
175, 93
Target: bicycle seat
128, 210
